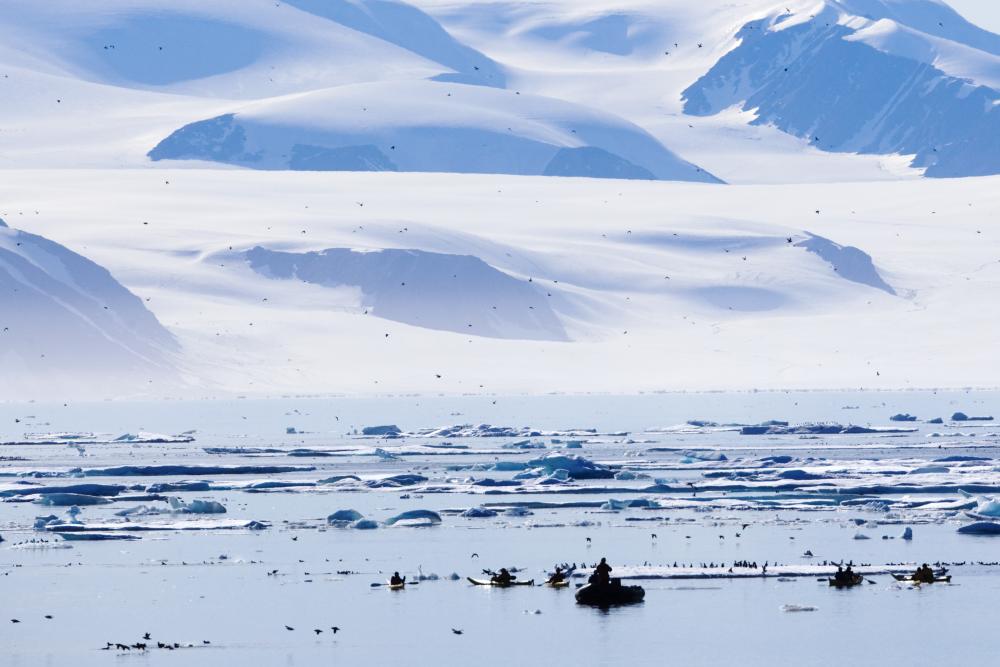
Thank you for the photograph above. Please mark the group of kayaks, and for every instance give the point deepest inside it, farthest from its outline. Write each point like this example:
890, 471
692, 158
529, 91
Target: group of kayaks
939, 578
617, 594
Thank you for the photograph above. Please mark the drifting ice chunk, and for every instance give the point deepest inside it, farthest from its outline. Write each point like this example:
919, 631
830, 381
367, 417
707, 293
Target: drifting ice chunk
981, 528
196, 506
962, 417
85, 489
927, 470
175, 487
415, 518
344, 517
336, 479
386, 430
153, 438
577, 467
797, 607
704, 456
861, 536
364, 524
395, 481
478, 513
507, 466
615, 505
68, 499
908, 533
97, 537
517, 511
524, 444
903, 417
167, 470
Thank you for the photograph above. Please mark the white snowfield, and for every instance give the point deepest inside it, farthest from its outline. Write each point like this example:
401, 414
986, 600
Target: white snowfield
207, 156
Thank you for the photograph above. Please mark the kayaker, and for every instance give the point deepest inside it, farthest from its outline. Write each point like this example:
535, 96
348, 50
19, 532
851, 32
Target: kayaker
924, 574
557, 576
502, 577
603, 572
396, 580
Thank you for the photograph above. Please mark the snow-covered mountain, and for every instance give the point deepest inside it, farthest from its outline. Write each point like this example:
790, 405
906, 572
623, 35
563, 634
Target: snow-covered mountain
868, 76
64, 318
442, 127
323, 195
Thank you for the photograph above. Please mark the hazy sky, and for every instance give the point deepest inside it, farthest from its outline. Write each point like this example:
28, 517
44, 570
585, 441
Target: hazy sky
984, 13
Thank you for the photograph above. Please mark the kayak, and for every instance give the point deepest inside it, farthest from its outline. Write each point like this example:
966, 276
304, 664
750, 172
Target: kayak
613, 594
557, 584
909, 578
396, 587
855, 580
487, 582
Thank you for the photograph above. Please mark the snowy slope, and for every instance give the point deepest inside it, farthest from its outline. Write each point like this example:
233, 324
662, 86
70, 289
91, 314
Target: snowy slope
66, 318
868, 77
657, 285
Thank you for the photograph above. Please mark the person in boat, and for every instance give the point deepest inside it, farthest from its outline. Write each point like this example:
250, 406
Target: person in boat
603, 572
924, 574
396, 580
502, 578
557, 577
848, 575
839, 577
